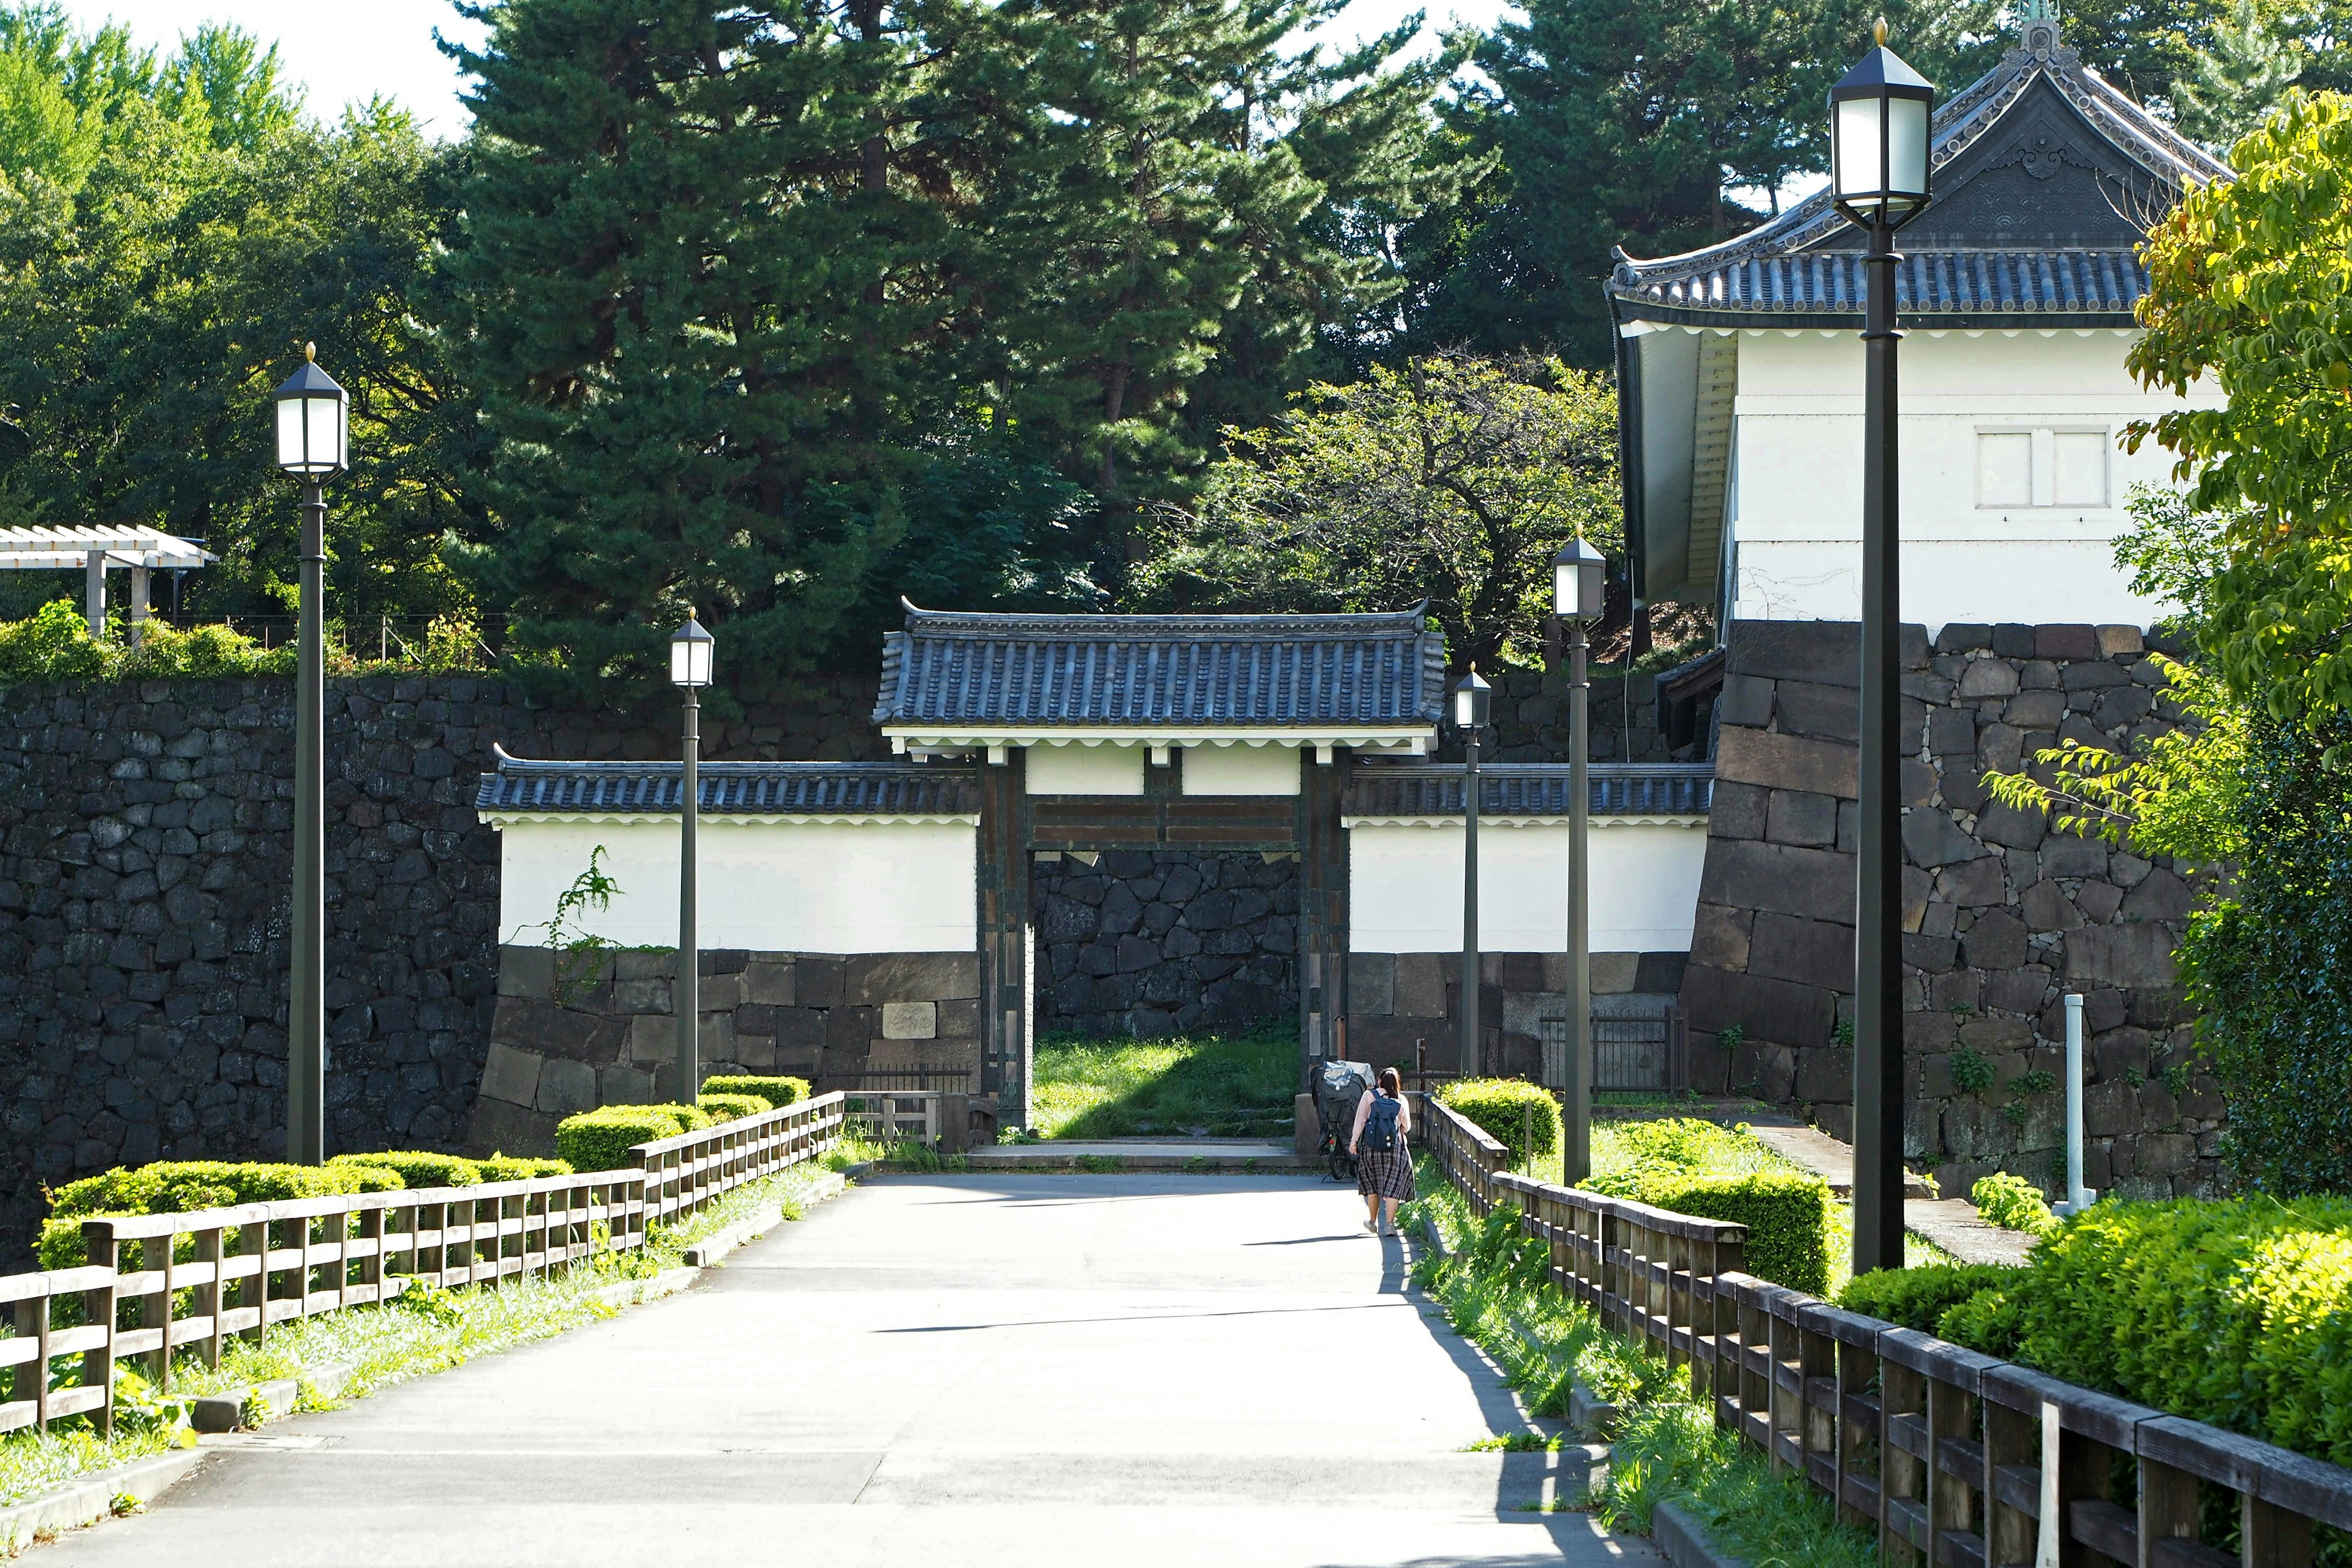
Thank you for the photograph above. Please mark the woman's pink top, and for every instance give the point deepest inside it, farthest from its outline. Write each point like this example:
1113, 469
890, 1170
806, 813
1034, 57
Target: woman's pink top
1364, 1111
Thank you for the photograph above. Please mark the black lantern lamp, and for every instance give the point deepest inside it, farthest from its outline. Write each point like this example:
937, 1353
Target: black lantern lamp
690, 648
1881, 119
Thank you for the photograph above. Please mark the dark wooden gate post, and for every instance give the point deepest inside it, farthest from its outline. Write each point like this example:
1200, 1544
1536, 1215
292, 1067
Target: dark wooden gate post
1322, 907
1005, 938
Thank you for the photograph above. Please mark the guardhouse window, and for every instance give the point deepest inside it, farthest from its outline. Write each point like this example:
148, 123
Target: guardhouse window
2037, 466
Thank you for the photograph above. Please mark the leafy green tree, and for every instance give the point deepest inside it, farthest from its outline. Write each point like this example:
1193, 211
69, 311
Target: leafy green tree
1452, 478
2248, 291
2238, 81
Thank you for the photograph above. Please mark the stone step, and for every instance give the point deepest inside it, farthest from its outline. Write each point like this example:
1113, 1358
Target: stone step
1143, 1154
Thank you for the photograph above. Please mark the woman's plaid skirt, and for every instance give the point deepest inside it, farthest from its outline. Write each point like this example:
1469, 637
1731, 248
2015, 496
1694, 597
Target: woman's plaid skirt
1385, 1172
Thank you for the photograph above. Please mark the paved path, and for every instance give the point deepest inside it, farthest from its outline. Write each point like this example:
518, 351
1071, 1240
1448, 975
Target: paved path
981, 1370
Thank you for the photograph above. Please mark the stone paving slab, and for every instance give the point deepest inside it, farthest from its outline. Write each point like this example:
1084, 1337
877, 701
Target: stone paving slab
999, 1368
1145, 1154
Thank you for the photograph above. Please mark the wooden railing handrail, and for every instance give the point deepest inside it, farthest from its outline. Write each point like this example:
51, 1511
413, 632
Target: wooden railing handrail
1949, 1455
782, 1117
141, 1227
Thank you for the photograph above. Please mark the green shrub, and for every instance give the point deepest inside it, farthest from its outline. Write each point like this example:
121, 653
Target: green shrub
778, 1093
521, 1167
2011, 1202
1521, 1116
1787, 1217
420, 1167
733, 1107
1992, 1322
182, 1186
1971, 1073
599, 1140
1918, 1298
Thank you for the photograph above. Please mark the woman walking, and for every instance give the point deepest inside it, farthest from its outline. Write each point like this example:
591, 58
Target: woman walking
1384, 1164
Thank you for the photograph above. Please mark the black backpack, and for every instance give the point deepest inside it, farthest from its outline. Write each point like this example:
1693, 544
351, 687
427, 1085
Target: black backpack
1380, 1125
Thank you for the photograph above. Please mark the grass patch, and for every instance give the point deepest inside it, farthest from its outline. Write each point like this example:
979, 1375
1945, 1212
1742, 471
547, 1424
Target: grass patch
416, 1334
1518, 1443
1224, 1086
1491, 1289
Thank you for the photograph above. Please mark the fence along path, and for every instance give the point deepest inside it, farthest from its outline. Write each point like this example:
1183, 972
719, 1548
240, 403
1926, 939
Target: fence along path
247, 1267
1950, 1456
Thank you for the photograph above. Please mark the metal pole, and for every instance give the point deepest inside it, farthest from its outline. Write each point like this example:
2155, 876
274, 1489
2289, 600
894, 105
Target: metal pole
1878, 1085
1469, 1066
1576, 1160
2078, 1197
306, 1012
686, 994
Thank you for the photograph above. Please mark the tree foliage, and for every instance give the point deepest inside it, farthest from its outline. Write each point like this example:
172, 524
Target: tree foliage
2251, 290
2234, 84
1453, 479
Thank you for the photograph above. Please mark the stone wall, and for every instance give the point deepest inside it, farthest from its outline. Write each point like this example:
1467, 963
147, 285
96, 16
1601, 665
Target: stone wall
2003, 918
145, 878
610, 1035
1530, 714
1395, 1000
1150, 943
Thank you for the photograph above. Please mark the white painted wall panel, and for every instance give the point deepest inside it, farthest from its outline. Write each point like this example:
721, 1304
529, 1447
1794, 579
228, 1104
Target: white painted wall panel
890, 887
1085, 770
1405, 887
1241, 770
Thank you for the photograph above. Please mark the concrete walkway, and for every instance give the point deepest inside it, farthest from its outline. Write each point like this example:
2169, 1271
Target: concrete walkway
980, 1370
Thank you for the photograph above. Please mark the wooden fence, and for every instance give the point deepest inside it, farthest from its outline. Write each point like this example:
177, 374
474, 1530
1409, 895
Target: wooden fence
1950, 1456
157, 1284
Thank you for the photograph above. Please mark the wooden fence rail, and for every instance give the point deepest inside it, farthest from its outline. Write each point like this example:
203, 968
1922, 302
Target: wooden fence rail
1950, 1456
157, 1284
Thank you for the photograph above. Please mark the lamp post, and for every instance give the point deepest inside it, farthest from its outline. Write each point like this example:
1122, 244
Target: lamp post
1472, 700
1578, 582
689, 669
313, 442
1879, 122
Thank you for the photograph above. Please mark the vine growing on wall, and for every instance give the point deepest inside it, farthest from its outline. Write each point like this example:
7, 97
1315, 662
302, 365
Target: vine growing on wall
578, 950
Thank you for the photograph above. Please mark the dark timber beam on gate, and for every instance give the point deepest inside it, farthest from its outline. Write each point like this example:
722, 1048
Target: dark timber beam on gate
1006, 947
1322, 907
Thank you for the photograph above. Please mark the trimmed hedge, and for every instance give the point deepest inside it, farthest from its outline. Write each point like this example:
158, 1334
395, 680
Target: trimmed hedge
778, 1093
1787, 1217
182, 1186
733, 1107
2012, 1203
420, 1167
1918, 1298
1522, 1117
599, 1140
521, 1167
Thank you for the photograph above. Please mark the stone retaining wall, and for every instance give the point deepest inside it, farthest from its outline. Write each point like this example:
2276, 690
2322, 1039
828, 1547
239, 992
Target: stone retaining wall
2002, 917
1396, 999
609, 1036
144, 876
1152, 942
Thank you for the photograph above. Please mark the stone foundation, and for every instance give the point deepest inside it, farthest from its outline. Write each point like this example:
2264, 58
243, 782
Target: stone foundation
1152, 942
611, 1038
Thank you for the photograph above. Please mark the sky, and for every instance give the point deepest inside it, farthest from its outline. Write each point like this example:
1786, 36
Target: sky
344, 52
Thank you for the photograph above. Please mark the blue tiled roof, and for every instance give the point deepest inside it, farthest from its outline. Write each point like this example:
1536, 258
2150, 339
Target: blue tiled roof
732, 789
1969, 283
1530, 789
974, 672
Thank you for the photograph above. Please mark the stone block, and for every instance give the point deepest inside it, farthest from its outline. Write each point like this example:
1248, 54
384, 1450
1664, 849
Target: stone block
1914, 781
1786, 762
643, 996
526, 972
1745, 874
2021, 990
653, 1038
1973, 885
566, 1088
2128, 956
1931, 838
1795, 816
2013, 639
1952, 732
1828, 652
1737, 811
1824, 1072
756, 1053
1658, 974
910, 1020
1420, 985
1719, 936
1927, 955
1963, 636
798, 1028
2096, 676
1747, 700
496, 1127
1371, 985
1770, 1010
818, 982
2160, 896
2099, 902
1809, 708
2166, 1153
848, 1029
2061, 642
1790, 947
512, 1075
552, 1031
961, 1019
1613, 973
770, 981
1986, 677
623, 1085
2034, 711
1995, 941
632, 964
1524, 1012
2119, 1052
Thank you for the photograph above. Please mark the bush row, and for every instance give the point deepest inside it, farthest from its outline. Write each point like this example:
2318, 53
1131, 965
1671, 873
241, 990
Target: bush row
1522, 1117
2238, 1313
599, 1140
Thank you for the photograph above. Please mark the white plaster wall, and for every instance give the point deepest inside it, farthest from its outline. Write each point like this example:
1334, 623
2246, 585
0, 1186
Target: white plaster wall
1085, 770
891, 887
1405, 887
1797, 523
1241, 770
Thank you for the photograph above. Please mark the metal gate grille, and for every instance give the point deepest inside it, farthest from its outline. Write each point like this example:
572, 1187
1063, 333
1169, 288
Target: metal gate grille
1637, 1053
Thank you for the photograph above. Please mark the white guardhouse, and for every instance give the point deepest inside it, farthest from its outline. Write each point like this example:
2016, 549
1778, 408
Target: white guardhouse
1741, 373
